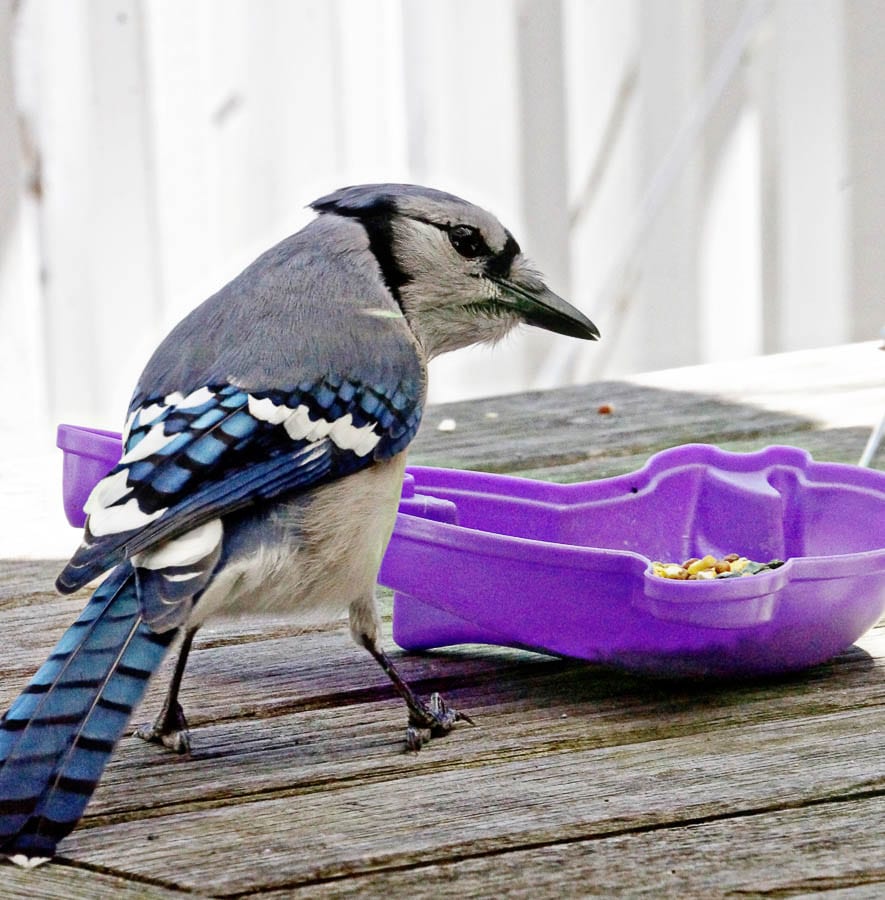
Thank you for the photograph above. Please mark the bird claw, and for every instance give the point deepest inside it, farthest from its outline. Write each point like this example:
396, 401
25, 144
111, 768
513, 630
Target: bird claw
169, 730
433, 719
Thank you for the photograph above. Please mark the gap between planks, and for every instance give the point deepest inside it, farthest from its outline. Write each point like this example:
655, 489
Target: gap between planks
533, 714
706, 857
499, 806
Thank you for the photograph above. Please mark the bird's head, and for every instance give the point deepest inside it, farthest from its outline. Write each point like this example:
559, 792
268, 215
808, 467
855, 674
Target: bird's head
457, 273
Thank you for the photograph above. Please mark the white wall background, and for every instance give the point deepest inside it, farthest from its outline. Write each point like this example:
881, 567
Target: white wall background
703, 178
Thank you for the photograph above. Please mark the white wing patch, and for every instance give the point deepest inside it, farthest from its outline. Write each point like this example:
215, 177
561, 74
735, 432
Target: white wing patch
268, 411
130, 419
104, 518
186, 550
195, 398
116, 519
110, 489
300, 427
187, 576
153, 441
149, 413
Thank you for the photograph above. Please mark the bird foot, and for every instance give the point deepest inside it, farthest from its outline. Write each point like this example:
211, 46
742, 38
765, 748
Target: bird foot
169, 729
432, 719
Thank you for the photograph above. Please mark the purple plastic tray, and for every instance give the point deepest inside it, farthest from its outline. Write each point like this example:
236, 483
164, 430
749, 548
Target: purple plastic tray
565, 569
88, 454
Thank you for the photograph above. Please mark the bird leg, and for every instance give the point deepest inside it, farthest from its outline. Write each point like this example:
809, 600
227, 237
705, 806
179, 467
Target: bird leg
426, 720
170, 726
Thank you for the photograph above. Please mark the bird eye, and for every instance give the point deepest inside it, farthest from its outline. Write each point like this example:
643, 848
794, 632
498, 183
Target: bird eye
468, 241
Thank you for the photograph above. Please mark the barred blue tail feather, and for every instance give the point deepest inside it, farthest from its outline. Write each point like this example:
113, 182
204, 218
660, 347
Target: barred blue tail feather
58, 735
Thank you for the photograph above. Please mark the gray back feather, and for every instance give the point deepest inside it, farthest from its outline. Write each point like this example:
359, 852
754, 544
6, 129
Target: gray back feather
315, 304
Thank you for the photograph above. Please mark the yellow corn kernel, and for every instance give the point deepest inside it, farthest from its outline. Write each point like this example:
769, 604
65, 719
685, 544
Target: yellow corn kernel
702, 565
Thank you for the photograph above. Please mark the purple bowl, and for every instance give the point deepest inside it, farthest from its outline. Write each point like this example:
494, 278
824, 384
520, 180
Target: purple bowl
565, 569
88, 454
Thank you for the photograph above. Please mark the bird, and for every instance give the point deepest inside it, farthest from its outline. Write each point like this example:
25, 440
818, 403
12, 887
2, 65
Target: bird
262, 462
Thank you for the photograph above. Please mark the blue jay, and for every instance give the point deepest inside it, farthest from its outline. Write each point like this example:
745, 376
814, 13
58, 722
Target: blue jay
262, 464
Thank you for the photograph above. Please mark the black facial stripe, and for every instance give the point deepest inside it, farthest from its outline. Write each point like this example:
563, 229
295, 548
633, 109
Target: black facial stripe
376, 219
499, 265
380, 232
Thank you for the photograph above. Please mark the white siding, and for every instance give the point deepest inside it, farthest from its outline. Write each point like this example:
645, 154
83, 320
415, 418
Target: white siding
668, 163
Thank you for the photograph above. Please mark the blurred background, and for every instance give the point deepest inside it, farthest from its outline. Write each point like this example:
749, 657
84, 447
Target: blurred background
704, 178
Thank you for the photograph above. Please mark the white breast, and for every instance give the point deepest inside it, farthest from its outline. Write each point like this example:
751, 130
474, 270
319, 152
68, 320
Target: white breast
315, 559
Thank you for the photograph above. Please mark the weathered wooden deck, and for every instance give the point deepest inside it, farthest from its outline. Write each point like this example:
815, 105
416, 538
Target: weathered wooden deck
575, 779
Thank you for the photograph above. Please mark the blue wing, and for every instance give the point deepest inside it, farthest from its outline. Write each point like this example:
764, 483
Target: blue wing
191, 459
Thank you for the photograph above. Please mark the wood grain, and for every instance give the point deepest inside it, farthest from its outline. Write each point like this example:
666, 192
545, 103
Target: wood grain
573, 777
490, 805
806, 851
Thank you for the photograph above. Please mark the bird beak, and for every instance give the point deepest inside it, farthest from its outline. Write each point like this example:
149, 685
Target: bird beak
539, 306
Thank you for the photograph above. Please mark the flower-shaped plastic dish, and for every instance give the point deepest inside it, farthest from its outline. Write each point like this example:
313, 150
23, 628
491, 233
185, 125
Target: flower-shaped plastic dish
566, 569
88, 455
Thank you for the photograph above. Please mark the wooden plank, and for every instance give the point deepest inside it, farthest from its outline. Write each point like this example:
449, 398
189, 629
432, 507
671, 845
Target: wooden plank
500, 805
842, 445
823, 400
252, 664
60, 882
818, 850
23, 579
525, 718
249, 693
527, 715
519, 432
298, 778
832, 387
296, 757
